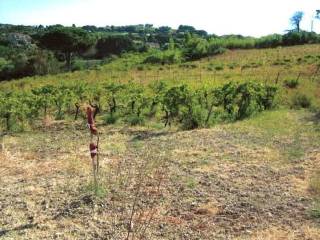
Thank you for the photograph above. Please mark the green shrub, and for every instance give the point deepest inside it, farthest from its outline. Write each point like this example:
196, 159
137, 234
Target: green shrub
267, 99
301, 100
296, 38
78, 65
214, 49
218, 68
194, 119
164, 57
269, 41
232, 42
279, 63
232, 65
137, 99
174, 100
196, 48
155, 57
134, 120
158, 90
140, 68
110, 119
241, 100
292, 83
188, 66
210, 68
16, 109
113, 96
171, 56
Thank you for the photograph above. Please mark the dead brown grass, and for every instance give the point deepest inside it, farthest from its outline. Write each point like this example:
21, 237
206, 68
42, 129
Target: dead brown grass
274, 233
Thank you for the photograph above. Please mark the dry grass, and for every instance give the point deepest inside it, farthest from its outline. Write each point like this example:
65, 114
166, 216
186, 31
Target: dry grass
233, 181
315, 183
274, 233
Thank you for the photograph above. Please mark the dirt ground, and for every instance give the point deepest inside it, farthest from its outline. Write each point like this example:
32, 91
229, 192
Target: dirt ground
245, 180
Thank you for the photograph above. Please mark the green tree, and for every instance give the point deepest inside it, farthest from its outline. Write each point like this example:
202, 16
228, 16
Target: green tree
196, 48
186, 28
66, 40
114, 44
296, 20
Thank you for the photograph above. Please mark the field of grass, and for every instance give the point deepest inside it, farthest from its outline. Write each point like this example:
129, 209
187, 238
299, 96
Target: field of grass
252, 179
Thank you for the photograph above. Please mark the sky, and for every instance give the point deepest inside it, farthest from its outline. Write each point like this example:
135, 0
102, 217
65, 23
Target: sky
245, 17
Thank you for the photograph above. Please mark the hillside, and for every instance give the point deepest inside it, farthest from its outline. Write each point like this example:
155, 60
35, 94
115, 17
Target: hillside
251, 178
42, 50
271, 66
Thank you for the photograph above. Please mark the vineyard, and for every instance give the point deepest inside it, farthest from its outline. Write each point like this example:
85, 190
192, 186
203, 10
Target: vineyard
229, 87
225, 147
132, 103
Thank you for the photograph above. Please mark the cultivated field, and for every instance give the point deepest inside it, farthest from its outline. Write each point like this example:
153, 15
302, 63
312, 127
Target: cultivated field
257, 178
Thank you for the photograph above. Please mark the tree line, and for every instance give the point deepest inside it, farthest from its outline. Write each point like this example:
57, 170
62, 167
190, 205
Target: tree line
39, 50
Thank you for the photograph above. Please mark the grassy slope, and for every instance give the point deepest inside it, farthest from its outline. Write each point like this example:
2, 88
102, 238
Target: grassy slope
253, 179
258, 65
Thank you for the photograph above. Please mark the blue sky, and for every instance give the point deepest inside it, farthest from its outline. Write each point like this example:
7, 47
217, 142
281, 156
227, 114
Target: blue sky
246, 17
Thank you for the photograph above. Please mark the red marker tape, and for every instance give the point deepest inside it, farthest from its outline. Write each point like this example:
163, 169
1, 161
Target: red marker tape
91, 124
93, 150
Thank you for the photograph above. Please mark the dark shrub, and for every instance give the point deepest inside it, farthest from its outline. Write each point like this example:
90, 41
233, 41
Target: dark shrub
300, 100
194, 119
292, 83
218, 68
134, 120
110, 119
296, 38
269, 41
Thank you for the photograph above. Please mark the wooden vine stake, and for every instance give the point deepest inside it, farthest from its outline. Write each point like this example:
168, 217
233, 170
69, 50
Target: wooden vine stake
94, 144
2, 147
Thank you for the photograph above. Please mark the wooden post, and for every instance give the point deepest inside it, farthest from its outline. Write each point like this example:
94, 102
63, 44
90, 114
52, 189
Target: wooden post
298, 76
315, 74
93, 147
145, 76
2, 147
277, 78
